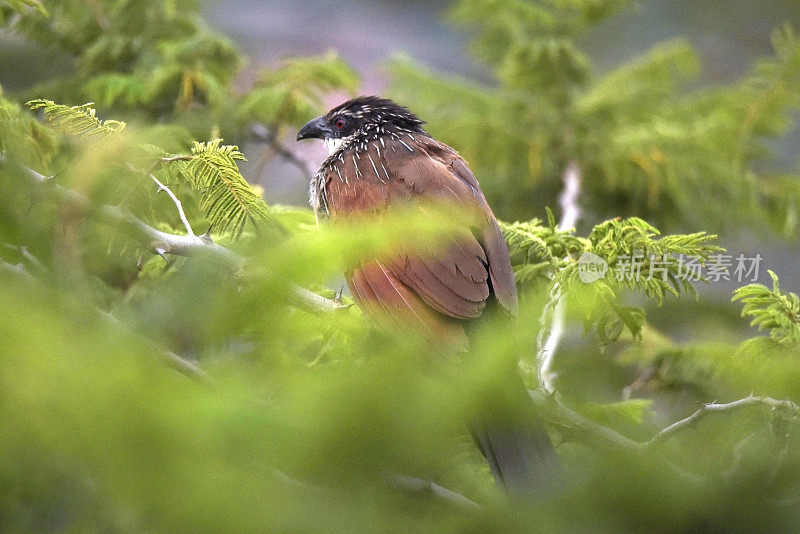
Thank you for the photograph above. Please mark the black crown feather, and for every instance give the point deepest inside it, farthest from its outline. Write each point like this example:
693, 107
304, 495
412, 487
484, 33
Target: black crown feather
374, 110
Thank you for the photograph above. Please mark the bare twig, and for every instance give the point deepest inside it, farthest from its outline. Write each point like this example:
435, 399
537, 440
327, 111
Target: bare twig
603, 435
598, 434
182, 365
422, 487
269, 136
25, 253
177, 202
568, 199
302, 298
180, 245
552, 321
179, 157
17, 270
786, 406
416, 486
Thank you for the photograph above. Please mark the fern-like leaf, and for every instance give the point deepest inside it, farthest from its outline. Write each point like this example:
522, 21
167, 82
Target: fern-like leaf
80, 121
542, 253
228, 201
772, 310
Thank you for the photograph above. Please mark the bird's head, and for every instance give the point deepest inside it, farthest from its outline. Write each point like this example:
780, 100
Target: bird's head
362, 119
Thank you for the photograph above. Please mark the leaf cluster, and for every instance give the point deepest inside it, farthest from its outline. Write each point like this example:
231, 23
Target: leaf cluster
649, 140
228, 201
157, 60
637, 257
80, 121
772, 310
22, 137
293, 93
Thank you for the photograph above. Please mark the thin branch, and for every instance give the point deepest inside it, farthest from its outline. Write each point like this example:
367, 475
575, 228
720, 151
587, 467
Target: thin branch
787, 406
170, 159
17, 270
177, 202
416, 486
182, 365
597, 433
181, 245
568, 199
302, 298
269, 136
25, 253
426, 487
553, 315
600, 434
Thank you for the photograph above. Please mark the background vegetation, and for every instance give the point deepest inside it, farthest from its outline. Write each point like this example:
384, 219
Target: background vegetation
174, 356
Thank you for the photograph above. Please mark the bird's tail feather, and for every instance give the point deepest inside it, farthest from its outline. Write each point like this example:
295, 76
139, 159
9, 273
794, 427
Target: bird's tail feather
522, 460
516, 446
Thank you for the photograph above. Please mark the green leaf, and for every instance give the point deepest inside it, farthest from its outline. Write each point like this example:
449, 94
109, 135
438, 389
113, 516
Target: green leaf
771, 310
80, 121
228, 201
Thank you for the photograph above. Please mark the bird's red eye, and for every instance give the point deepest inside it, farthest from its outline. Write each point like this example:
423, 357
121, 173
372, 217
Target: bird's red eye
339, 124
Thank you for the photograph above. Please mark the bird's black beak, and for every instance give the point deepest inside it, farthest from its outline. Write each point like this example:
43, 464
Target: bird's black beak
314, 129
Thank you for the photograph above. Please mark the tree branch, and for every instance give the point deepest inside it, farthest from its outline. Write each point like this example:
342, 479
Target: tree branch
177, 202
553, 314
773, 404
17, 270
179, 157
178, 363
269, 136
568, 199
182, 365
181, 245
416, 486
597, 433
602, 434
421, 487
25, 253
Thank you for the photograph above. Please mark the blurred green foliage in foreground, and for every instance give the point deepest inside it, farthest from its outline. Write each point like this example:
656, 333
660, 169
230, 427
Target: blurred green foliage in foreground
208, 390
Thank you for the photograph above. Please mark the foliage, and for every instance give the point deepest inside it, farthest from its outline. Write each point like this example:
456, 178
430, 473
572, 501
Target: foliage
772, 310
637, 259
158, 60
22, 137
23, 6
292, 94
228, 201
297, 421
81, 121
648, 142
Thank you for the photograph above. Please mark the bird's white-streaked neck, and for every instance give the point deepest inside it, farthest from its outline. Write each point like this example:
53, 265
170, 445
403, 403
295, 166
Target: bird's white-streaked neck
333, 144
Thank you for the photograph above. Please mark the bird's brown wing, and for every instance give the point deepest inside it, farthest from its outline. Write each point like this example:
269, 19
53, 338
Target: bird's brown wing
490, 237
420, 286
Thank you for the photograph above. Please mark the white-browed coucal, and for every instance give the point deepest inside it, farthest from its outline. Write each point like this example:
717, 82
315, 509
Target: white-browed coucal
380, 158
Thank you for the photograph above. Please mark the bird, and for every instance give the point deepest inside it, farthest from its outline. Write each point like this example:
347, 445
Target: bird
380, 158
